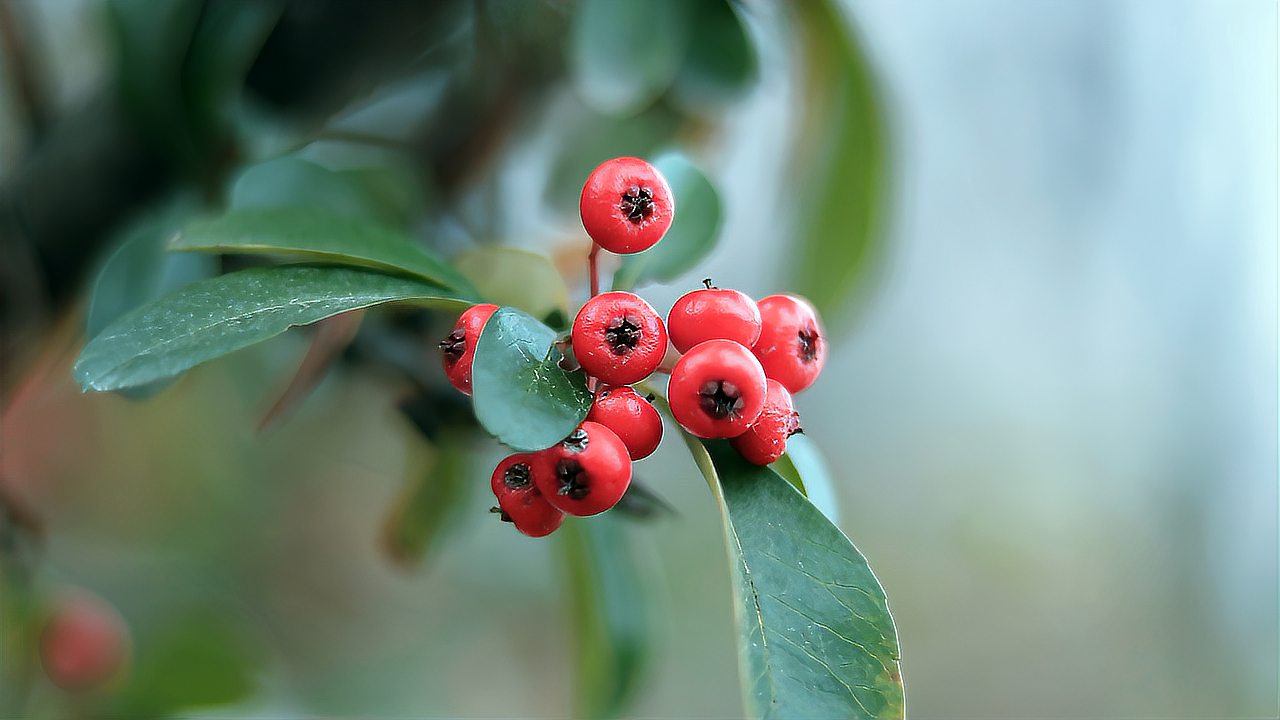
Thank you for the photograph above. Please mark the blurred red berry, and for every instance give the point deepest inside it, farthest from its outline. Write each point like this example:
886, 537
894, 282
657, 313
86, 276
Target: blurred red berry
84, 643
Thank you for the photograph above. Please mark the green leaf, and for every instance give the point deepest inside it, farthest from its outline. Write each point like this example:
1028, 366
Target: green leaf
519, 278
318, 236
693, 232
140, 269
815, 635
292, 182
521, 395
609, 596
214, 317
196, 661
429, 504
722, 64
623, 55
844, 165
806, 469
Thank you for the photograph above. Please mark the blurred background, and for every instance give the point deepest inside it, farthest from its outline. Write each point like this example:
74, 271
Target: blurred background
1043, 236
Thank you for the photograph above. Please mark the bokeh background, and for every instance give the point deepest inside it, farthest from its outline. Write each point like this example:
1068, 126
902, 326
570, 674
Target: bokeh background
1051, 404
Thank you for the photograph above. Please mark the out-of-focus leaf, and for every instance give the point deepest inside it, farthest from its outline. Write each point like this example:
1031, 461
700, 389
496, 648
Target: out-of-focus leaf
693, 232
140, 270
226, 41
642, 503
522, 397
815, 635
332, 336
151, 40
806, 469
519, 278
722, 63
843, 164
609, 604
623, 55
213, 317
427, 506
317, 235
589, 139
291, 182
197, 661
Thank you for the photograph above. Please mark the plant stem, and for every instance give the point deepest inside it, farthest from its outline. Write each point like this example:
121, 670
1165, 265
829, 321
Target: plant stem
594, 269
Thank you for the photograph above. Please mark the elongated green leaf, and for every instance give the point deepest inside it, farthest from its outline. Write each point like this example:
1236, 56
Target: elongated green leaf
213, 317
428, 505
693, 232
519, 278
816, 638
292, 182
198, 660
806, 469
843, 164
319, 236
521, 395
721, 64
609, 605
623, 55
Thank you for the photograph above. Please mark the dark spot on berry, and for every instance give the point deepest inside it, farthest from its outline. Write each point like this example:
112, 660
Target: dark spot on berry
720, 399
637, 204
517, 477
577, 441
808, 343
454, 346
572, 479
622, 335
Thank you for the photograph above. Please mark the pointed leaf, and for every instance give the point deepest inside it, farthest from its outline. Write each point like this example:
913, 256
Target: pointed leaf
213, 317
815, 635
843, 165
609, 606
319, 236
521, 395
806, 469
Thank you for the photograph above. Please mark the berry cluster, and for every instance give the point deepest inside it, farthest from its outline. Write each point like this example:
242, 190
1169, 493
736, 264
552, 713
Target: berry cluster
740, 361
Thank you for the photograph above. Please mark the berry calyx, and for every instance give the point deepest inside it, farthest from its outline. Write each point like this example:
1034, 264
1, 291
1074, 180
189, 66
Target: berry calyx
717, 389
84, 643
792, 347
619, 338
766, 439
587, 473
458, 347
519, 500
632, 418
626, 205
713, 314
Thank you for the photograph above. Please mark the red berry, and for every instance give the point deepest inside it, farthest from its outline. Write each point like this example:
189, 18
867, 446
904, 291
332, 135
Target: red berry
632, 418
84, 643
713, 314
587, 473
519, 500
619, 338
766, 439
458, 348
626, 205
792, 347
717, 389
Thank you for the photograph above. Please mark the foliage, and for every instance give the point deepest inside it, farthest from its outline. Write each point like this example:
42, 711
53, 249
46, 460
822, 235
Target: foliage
295, 184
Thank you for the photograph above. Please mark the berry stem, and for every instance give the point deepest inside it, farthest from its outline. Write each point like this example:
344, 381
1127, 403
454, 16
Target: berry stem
592, 265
